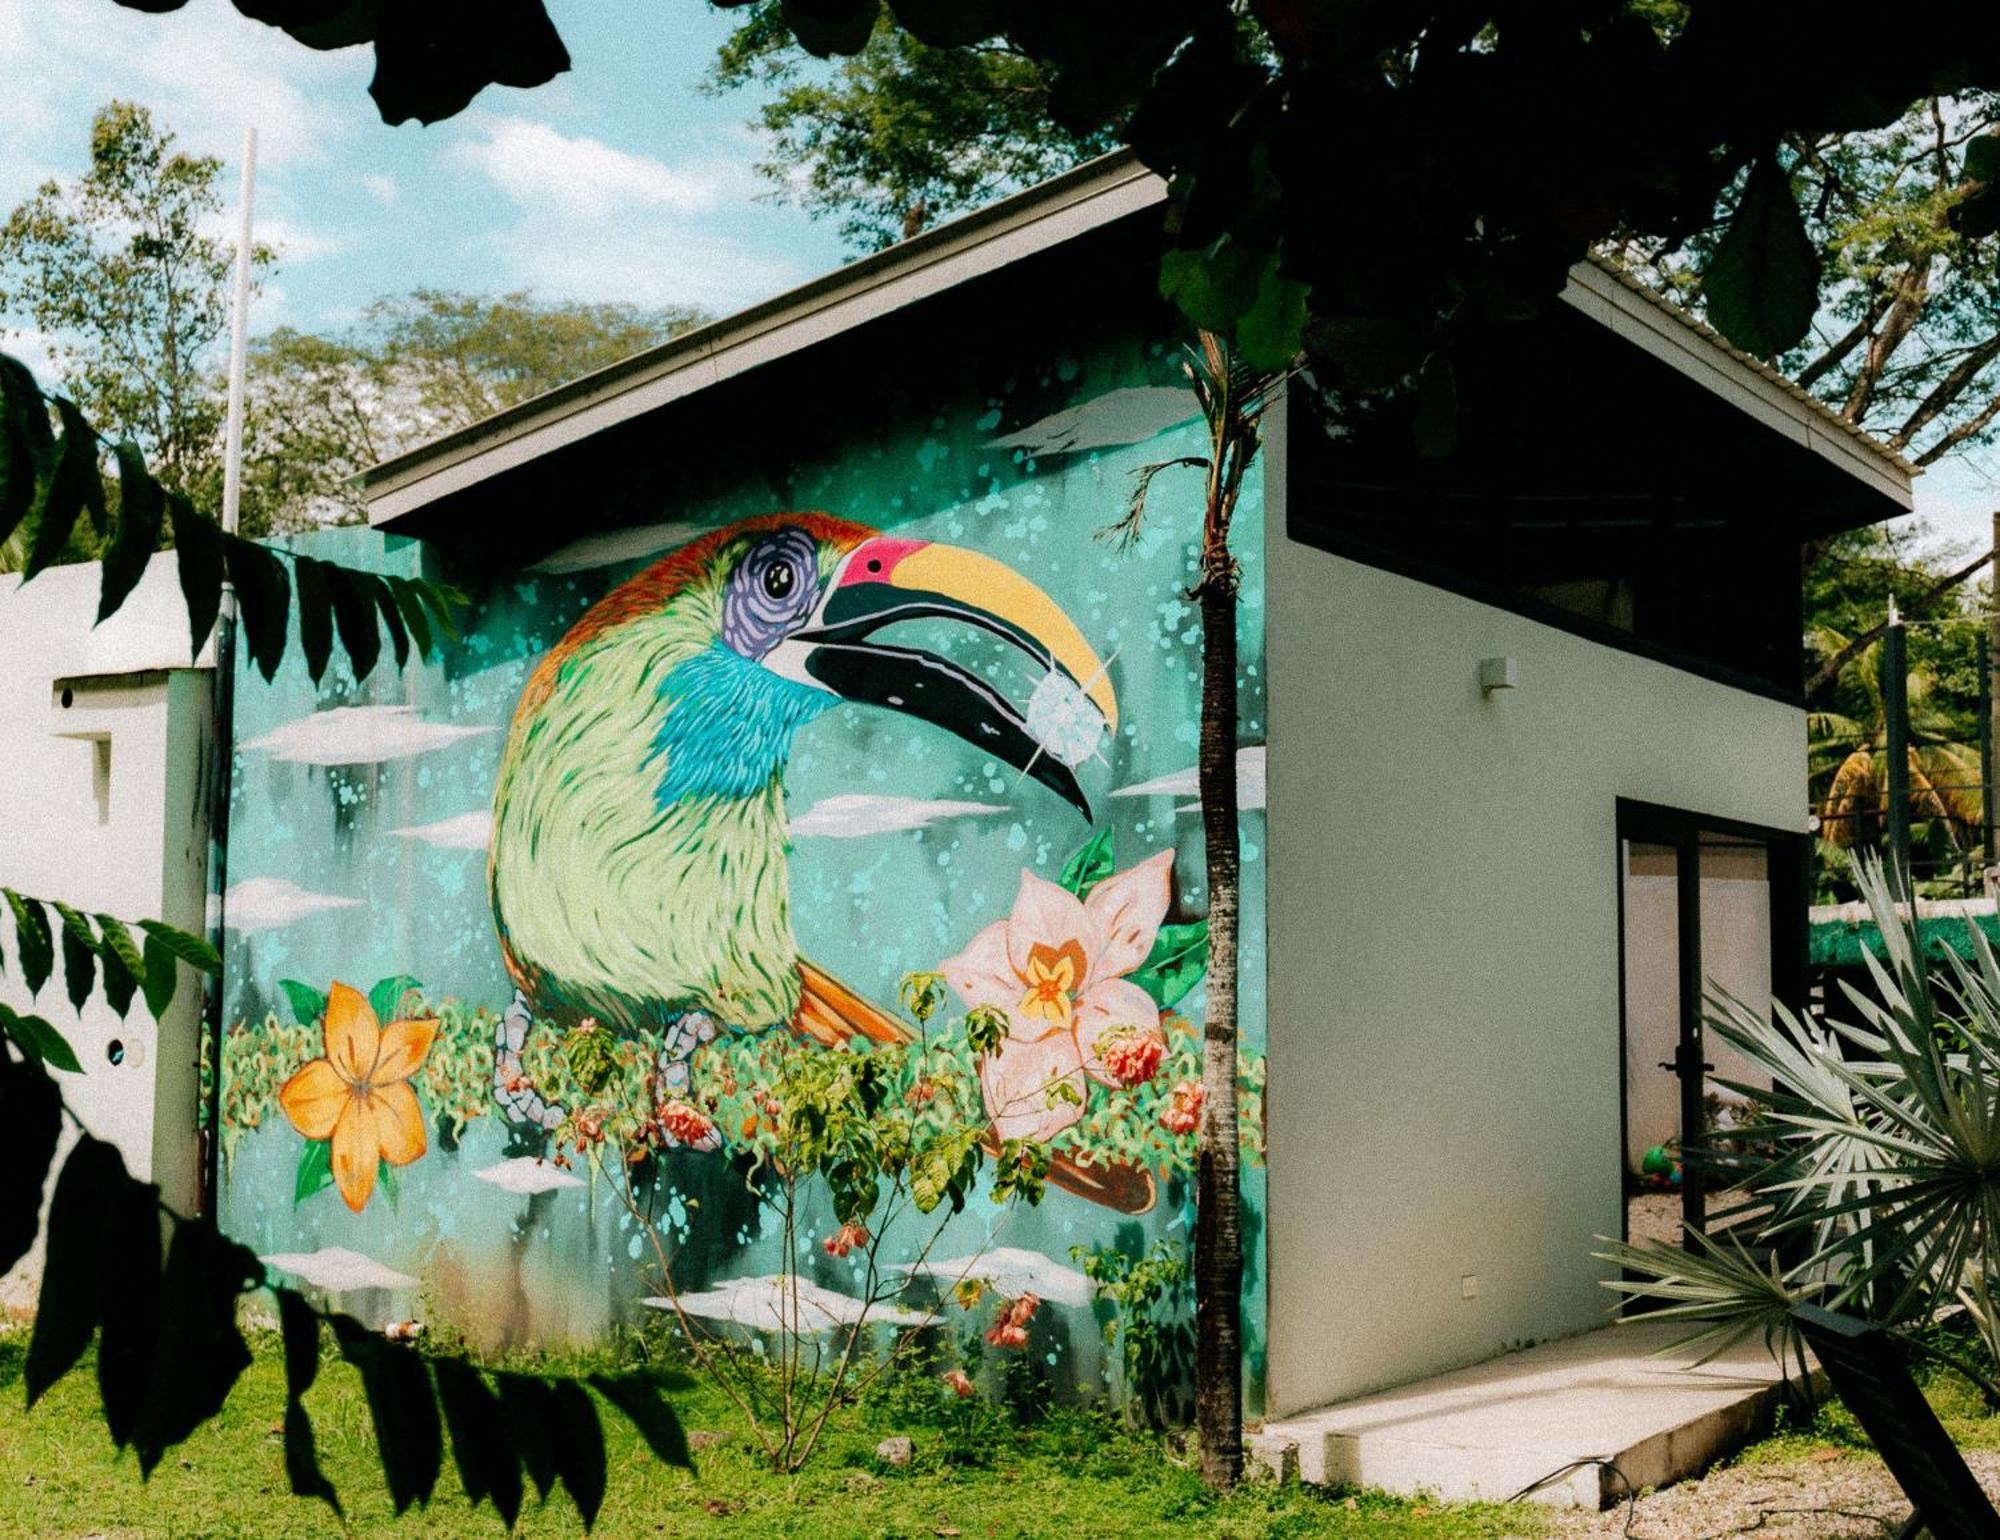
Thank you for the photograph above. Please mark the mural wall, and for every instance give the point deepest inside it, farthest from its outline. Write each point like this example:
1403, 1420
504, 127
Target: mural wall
551, 909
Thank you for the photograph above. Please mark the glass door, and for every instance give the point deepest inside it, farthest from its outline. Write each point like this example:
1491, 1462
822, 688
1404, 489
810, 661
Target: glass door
1706, 907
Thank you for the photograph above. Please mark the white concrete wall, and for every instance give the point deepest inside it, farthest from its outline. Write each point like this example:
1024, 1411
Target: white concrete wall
1444, 947
133, 843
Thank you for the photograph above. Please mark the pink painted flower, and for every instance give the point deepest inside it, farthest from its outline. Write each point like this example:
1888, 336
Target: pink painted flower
685, 1123
1056, 968
1132, 1058
1182, 1114
845, 1239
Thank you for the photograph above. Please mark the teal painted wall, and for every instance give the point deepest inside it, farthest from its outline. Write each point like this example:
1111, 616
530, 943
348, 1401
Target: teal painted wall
358, 853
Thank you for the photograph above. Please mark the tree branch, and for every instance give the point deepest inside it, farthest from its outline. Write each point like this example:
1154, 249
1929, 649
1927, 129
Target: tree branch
1831, 670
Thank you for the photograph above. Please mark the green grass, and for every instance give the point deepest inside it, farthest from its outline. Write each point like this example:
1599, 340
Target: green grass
984, 1476
1831, 1432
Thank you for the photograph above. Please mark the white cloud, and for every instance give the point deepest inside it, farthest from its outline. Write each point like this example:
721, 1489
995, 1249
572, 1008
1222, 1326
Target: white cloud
1187, 783
359, 735
526, 1175
337, 1270
1010, 1272
271, 903
855, 815
382, 188
538, 165
465, 831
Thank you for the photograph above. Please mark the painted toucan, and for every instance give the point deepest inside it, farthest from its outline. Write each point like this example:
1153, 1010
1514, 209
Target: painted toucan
638, 861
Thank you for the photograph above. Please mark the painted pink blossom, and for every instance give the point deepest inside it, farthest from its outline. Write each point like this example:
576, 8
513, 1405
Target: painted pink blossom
1182, 1114
1132, 1058
846, 1239
1056, 968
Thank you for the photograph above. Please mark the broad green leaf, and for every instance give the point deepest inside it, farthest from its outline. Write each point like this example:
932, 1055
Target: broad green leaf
315, 1170
411, 603
298, 1324
263, 593
142, 506
578, 1437
30, 1120
1982, 158
308, 1004
1762, 283
354, 618
302, 1470
73, 486
34, 943
1435, 425
38, 1040
161, 977
825, 27
1176, 963
124, 965
24, 437
529, 1408
1213, 286
198, 550
1273, 329
445, 602
315, 597
386, 998
79, 954
392, 620
73, 1262
1090, 865
190, 949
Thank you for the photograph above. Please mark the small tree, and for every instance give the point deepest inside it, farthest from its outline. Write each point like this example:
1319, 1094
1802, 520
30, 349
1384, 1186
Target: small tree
1234, 398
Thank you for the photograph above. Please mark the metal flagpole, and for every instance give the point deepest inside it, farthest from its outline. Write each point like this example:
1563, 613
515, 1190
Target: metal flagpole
1896, 711
223, 756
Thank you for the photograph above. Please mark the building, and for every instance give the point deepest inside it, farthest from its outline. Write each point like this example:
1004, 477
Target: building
1523, 760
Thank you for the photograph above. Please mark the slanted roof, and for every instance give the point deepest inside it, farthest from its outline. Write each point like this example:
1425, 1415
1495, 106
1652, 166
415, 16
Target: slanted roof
1093, 198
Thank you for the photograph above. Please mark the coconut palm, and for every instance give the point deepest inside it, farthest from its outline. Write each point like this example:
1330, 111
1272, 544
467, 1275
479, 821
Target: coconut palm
1849, 757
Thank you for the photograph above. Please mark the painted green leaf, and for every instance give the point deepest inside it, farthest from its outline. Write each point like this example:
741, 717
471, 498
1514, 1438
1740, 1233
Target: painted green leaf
388, 994
315, 1170
1762, 284
1176, 963
308, 1004
1090, 865
385, 1178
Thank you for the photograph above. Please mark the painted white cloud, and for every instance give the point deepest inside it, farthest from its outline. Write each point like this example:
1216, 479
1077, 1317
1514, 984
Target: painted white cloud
852, 816
622, 545
1010, 1272
337, 1270
536, 164
464, 831
1126, 416
526, 1175
1187, 783
360, 735
271, 903
767, 1303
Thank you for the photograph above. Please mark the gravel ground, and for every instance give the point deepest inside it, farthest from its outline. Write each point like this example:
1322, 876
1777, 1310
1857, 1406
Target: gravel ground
1837, 1492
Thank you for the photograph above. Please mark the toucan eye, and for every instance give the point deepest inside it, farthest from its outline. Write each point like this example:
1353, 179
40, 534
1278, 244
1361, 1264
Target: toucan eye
770, 592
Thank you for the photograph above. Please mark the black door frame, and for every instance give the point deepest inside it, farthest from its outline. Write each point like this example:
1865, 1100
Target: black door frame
1789, 867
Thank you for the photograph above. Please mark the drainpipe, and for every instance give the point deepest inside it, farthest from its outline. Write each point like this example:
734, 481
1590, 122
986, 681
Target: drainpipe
222, 760
1896, 713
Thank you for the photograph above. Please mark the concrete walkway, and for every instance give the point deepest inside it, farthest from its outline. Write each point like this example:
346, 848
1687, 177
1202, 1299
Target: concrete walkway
1490, 1431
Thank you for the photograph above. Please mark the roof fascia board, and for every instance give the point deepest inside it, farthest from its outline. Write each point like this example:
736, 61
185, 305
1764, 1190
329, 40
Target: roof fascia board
1670, 337
953, 254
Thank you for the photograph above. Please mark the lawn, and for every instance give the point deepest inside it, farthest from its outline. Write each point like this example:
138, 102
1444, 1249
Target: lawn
1069, 1475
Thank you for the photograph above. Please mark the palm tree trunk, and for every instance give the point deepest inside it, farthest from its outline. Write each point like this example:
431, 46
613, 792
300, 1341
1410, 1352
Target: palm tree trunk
1218, 1233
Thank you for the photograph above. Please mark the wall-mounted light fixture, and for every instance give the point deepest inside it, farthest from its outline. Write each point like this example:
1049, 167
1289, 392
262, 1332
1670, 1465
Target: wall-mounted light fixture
1498, 674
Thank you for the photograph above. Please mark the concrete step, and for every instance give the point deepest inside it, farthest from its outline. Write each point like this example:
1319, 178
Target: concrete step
1491, 1431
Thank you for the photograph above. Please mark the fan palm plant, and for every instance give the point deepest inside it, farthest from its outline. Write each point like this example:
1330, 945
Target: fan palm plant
1885, 1187
1849, 757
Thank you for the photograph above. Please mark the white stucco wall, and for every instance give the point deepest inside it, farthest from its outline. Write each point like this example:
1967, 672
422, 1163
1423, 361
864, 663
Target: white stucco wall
1444, 952
131, 843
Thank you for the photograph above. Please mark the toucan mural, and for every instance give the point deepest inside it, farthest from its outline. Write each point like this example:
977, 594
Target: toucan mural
689, 789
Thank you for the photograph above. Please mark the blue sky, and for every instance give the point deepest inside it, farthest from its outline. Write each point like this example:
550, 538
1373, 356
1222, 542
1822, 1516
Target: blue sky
619, 181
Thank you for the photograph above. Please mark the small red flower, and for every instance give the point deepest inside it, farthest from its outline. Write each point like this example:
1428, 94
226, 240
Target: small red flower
685, 1123
1183, 1112
960, 1383
1131, 1057
846, 1238
1010, 1326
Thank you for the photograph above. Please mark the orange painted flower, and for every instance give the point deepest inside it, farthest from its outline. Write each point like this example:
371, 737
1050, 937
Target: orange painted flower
359, 1095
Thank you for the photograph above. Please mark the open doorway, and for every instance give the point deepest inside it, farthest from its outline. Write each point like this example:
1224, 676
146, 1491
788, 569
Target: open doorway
1704, 904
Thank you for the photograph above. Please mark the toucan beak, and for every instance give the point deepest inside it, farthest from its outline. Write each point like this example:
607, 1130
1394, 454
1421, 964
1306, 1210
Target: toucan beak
888, 579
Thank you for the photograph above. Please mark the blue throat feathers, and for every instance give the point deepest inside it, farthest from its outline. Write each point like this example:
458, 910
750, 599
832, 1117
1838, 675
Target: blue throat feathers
726, 725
